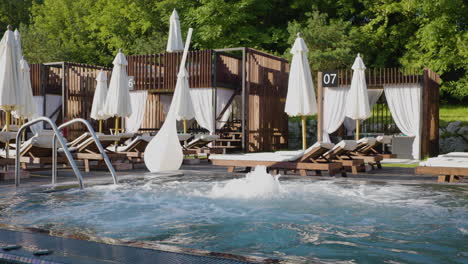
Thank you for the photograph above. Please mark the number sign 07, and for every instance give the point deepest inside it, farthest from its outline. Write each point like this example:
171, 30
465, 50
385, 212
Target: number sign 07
330, 79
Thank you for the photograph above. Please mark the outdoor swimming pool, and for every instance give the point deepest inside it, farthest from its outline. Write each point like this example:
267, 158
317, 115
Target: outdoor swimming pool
295, 219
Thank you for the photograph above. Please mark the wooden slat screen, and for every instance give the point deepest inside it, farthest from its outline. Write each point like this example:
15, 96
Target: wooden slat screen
159, 71
267, 82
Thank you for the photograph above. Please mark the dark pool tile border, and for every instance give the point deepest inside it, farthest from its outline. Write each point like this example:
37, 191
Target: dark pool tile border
144, 245
23, 260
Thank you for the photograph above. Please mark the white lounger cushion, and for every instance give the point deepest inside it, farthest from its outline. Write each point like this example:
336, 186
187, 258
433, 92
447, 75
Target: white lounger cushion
184, 137
455, 161
455, 155
384, 139
128, 146
6, 136
206, 137
202, 138
445, 163
100, 138
297, 154
370, 141
273, 156
346, 144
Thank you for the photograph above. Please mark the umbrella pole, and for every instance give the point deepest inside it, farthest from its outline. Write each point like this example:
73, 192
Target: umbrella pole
7, 128
304, 137
21, 123
357, 129
116, 125
8, 120
185, 126
100, 126
116, 130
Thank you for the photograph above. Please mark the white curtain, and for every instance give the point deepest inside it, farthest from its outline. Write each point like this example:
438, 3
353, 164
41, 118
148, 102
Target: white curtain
334, 100
404, 102
138, 102
39, 100
373, 95
202, 99
53, 102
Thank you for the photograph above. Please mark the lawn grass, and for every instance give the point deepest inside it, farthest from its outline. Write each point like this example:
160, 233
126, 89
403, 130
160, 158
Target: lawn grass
451, 113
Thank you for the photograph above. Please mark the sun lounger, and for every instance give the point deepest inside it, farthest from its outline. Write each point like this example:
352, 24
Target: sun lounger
372, 147
365, 150
36, 150
451, 167
184, 137
308, 160
199, 145
135, 149
342, 152
7, 137
80, 139
88, 150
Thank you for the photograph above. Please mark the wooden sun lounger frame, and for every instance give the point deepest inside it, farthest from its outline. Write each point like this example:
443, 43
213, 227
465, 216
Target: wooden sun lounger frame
444, 174
31, 154
37, 155
372, 151
342, 156
313, 160
137, 151
346, 157
90, 151
201, 148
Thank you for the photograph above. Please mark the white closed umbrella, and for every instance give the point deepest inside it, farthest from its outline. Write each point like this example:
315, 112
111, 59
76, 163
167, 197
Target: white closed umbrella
164, 151
9, 77
27, 108
21, 102
174, 42
183, 107
300, 100
118, 102
99, 99
357, 101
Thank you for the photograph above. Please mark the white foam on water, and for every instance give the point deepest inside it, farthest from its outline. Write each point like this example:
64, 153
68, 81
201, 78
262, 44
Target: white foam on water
257, 184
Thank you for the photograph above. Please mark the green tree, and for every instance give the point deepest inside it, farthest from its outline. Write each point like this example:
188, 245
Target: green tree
441, 43
15, 12
330, 41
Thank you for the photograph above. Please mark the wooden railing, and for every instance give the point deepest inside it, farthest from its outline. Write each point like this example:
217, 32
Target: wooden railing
158, 72
377, 77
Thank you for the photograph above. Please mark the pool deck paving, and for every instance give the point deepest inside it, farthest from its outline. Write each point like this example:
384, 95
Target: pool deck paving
68, 249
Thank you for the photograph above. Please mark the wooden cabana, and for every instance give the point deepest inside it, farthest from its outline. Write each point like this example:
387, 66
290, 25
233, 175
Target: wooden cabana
258, 81
379, 78
66, 91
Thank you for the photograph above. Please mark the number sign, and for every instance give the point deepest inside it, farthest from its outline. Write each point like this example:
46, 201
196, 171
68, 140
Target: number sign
131, 83
330, 79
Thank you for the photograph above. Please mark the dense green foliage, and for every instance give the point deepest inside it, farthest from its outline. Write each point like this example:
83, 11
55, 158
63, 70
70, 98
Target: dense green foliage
400, 33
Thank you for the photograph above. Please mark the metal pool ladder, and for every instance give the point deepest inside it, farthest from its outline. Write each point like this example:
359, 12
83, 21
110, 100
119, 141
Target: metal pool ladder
58, 135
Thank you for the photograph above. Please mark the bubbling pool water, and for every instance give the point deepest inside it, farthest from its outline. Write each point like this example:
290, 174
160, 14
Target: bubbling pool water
260, 215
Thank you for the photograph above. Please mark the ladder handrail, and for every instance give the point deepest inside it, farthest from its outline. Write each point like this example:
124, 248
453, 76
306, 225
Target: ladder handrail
58, 135
96, 140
